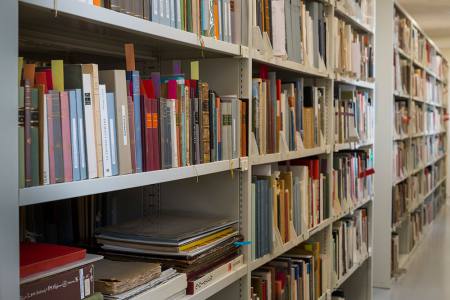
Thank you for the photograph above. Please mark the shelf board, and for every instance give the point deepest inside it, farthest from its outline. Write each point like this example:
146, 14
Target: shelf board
400, 137
356, 82
351, 210
288, 246
350, 272
81, 20
401, 95
277, 157
218, 285
288, 65
402, 53
353, 21
352, 146
51, 192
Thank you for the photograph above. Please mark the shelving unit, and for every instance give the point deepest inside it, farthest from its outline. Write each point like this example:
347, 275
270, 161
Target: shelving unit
405, 98
43, 20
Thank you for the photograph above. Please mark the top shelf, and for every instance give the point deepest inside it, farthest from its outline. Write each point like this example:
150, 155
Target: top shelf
341, 13
77, 19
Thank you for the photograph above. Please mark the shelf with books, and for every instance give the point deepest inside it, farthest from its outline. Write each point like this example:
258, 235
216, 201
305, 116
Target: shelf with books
84, 20
355, 22
52, 192
355, 82
351, 210
352, 146
218, 285
422, 200
289, 155
350, 272
402, 53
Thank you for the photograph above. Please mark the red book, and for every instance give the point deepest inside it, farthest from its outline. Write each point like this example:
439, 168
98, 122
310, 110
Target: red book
41, 78
48, 74
37, 257
67, 144
131, 131
51, 144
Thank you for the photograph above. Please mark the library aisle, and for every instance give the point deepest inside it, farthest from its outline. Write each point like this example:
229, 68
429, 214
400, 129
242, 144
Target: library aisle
429, 269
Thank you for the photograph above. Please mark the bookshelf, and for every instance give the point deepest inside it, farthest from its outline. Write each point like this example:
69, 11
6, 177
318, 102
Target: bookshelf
88, 31
419, 89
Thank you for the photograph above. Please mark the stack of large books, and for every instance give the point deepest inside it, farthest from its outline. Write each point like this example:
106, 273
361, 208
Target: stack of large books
50, 271
203, 247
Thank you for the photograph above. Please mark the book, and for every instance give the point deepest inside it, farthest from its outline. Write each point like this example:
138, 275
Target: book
133, 83
105, 132
37, 257
75, 147
56, 157
111, 119
66, 136
90, 141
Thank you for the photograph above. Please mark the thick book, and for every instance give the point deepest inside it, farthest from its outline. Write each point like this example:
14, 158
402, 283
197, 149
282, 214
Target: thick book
115, 81
134, 91
38, 257
66, 138
56, 159
89, 124
105, 132
111, 119
92, 71
76, 174
74, 284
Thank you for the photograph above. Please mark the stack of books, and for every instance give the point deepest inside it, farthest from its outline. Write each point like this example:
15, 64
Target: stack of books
76, 122
353, 52
350, 242
352, 179
49, 271
218, 19
295, 275
286, 202
119, 280
400, 201
204, 247
354, 115
297, 30
290, 113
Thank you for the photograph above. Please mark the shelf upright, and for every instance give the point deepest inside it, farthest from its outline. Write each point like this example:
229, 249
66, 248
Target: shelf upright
9, 209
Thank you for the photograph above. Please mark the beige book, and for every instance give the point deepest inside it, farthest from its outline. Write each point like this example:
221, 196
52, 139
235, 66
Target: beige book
115, 81
92, 69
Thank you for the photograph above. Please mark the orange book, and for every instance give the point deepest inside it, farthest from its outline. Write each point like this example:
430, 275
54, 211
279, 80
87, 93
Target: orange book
97, 2
216, 19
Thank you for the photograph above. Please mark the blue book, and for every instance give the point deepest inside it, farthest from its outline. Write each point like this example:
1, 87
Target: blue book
111, 106
133, 77
81, 135
299, 105
74, 135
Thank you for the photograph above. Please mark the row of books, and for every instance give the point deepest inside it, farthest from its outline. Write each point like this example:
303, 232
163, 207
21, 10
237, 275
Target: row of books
353, 52
402, 32
402, 121
402, 75
291, 113
354, 115
352, 179
301, 273
297, 29
400, 201
286, 202
350, 243
361, 10
417, 120
76, 122
219, 19
426, 119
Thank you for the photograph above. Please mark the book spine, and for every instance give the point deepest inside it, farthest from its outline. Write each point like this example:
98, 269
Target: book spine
21, 119
148, 134
133, 77
106, 139
194, 286
66, 139
205, 126
213, 125
27, 132
45, 144
196, 131
155, 135
55, 113
184, 161
74, 135
173, 132
89, 127
131, 132
81, 135
34, 124
111, 108
95, 95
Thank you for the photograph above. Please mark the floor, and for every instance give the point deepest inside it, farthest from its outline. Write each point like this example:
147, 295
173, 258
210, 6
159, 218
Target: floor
428, 272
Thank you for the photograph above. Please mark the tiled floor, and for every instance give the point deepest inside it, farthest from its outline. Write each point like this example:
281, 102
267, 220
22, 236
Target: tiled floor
428, 273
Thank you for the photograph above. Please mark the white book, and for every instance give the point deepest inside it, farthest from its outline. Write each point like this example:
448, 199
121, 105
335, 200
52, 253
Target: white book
209, 278
278, 27
46, 167
173, 132
106, 139
89, 127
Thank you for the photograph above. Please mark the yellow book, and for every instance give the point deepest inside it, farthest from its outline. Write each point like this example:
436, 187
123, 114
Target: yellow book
58, 75
206, 240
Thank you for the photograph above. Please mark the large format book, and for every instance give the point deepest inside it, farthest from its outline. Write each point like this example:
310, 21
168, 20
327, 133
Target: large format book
37, 257
115, 81
92, 71
115, 277
66, 136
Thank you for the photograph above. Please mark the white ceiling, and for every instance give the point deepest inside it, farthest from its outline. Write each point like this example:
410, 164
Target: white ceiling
433, 16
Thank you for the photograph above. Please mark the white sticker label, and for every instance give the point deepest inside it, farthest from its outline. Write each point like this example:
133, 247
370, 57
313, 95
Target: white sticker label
81, 273
124, 126
87, 287
113, 141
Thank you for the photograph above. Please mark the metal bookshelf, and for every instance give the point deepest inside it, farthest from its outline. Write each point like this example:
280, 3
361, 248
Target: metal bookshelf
88, 29
383, 209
